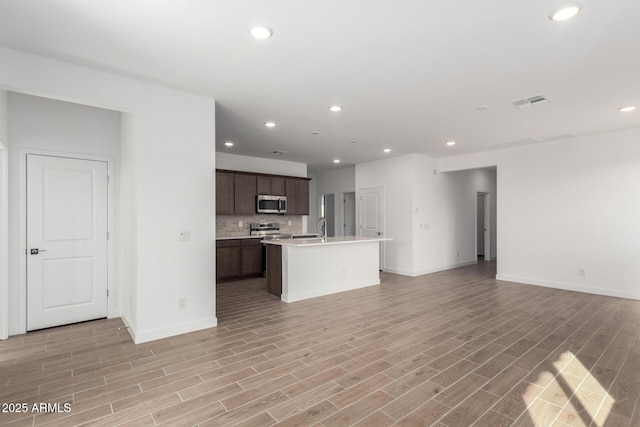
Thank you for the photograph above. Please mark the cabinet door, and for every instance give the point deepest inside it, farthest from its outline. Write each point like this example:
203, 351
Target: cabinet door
263, 184
303, 197
277, 186
245, 194
250, 257
291, 189
227, 258
274, 270
224, 193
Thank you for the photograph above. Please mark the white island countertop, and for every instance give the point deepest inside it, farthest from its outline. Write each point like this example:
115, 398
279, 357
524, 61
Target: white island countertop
341, 240
299, 269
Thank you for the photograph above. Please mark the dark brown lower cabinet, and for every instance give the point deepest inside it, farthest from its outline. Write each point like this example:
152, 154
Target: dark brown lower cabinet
274, 269
238, 258
250, 257
227, 258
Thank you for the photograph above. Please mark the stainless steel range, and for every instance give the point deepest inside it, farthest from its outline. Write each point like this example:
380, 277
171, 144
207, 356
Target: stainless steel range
268, 230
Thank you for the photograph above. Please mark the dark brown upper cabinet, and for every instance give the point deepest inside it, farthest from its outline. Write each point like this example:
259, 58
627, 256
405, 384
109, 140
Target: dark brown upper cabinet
236, 192
291, 189
245, 194
271, 185
224, 193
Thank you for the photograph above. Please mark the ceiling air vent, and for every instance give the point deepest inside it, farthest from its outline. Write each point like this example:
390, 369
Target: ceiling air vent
534, 100
279, 152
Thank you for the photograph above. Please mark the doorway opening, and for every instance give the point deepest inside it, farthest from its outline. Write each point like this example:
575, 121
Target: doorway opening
328, 211
349, 215
483, 226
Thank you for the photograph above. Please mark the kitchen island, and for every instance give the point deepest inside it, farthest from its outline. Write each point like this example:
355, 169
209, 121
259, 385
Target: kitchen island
298, 269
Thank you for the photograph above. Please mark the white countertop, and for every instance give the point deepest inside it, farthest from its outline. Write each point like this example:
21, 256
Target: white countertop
238, 237
327, 241
255, 237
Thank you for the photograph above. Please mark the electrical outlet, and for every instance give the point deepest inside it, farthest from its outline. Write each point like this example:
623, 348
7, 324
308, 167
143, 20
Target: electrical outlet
581, 272
457, 254
182, 303
240, 224
289, 223
184, 236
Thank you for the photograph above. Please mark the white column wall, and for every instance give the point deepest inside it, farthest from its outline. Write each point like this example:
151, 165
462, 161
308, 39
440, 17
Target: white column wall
395, 175
4, 223
168, 185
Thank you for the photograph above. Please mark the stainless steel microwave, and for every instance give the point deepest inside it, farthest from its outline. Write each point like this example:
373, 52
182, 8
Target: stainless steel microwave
271, 204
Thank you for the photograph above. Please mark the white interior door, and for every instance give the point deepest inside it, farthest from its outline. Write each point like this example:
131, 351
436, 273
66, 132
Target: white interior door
487, 227
372, 217
67, 261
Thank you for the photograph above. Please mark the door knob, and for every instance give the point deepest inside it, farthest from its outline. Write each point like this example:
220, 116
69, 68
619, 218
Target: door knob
37, 251
379, 233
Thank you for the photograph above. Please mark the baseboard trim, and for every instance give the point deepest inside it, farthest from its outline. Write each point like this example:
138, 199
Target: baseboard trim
327, 291
429, 270
142, 337
568, 287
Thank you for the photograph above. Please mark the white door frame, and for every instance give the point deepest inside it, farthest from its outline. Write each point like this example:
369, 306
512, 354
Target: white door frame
22, 228
4, 245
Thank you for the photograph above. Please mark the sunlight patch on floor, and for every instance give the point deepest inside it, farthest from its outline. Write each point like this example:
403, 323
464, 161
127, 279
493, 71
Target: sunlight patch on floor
571, 396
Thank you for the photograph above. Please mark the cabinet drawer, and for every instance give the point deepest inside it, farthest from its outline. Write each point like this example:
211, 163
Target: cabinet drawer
227, 243
250, 242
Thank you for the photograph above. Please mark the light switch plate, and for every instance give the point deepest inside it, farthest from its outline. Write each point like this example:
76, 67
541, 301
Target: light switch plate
184, 236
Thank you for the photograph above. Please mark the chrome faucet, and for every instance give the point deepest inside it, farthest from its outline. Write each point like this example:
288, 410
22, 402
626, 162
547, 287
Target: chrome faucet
322, 227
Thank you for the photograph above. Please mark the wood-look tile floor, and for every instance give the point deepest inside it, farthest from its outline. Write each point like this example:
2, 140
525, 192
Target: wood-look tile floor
455, 348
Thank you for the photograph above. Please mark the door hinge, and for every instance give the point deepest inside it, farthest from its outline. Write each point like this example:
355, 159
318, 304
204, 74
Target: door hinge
107, 235
107, 292
108, 179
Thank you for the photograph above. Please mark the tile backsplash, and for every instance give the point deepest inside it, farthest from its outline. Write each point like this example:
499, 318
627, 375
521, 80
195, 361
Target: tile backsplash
227, 225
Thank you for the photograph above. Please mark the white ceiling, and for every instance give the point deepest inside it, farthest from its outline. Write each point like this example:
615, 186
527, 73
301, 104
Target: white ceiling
409, 73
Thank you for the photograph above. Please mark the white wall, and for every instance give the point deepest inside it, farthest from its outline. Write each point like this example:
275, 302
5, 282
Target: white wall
259, 165
430, 215
4, 223
568, 205
167, 183
444, 214
46, 124
395, 175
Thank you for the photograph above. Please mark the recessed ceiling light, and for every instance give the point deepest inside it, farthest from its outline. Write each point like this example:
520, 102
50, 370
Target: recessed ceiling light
353, 141
315, 132
336, 161
565, 12
229, 144
627, 108
261, 32
270, 124
335, 108
450, 143
482, 107
387, 150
